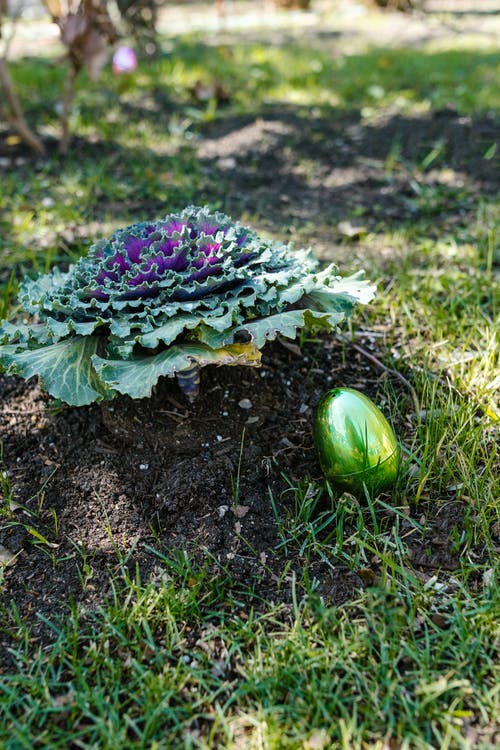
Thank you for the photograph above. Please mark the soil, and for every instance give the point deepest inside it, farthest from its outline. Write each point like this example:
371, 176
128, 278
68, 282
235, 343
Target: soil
160, 473
137, 479
128, 479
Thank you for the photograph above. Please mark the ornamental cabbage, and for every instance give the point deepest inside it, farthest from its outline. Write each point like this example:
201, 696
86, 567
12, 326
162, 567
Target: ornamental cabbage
165, 298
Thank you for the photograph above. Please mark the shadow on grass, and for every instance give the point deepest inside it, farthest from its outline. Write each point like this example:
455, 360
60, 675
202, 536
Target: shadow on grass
294, 167
144, 143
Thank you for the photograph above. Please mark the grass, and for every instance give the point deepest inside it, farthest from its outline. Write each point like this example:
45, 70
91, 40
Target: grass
176, 663
189, 659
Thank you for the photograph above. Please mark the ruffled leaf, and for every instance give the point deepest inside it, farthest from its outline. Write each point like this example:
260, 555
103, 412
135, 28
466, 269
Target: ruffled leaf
137, 375
21, 333
65, 369
157, 297
167, 332
286, 324
341, 293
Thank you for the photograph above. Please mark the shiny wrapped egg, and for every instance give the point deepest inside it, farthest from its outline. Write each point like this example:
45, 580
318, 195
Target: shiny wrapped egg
356, 444
124, 60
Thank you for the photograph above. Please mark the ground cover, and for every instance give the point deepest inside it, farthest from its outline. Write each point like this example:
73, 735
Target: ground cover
181, 576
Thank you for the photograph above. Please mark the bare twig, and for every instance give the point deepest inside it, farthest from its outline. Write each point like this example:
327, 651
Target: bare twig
23, 412
14, 114
86, 31
11, 109
389, 370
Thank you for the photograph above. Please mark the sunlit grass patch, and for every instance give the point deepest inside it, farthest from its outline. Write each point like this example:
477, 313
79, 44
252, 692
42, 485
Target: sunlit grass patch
255, 74
159, 664
447, 303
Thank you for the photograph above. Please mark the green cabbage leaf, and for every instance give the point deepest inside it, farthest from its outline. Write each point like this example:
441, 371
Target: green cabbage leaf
167, 297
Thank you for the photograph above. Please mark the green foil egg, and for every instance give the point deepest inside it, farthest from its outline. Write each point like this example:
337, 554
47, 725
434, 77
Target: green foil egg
356, 444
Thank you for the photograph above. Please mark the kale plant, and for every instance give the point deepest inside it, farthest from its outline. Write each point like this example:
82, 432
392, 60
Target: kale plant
164, 299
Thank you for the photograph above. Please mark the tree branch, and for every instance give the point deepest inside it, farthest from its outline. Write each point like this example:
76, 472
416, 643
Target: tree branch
14, 113
389, 370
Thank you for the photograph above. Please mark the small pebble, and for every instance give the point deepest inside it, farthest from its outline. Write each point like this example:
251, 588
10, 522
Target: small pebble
228, 162
6, 556
143, 467
245, 403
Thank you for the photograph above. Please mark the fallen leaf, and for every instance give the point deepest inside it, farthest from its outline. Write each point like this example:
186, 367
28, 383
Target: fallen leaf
350, 231
240, 510
368, 576
439, 620
317, 741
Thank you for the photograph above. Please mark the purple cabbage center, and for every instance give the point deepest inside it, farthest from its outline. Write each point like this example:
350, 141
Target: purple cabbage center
146, 257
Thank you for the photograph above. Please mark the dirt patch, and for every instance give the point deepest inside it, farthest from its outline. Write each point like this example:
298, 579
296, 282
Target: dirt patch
100, 483
158, 472
316, 171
